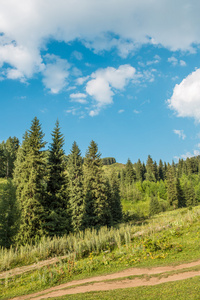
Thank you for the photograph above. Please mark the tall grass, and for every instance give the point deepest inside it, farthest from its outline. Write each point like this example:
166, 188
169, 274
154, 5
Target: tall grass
82, 244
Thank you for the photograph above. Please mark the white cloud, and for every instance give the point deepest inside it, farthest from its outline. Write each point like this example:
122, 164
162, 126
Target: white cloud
180, 133
182, 63
77, 55
104, 83
78, 95
185, 100
79, 98
136, 111
55, 73
120, 111
28, 25
188, 155
173, 60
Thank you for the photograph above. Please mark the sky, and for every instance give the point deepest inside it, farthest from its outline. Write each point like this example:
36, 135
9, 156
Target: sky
123, 73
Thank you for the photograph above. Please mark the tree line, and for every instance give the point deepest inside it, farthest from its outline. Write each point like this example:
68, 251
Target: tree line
166, 186
50, 195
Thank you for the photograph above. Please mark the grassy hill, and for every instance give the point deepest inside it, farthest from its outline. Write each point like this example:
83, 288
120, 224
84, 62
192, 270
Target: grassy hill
168, 238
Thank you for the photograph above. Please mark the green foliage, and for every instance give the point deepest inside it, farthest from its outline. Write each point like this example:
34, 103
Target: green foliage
57, 217
115, 201
97, 211
8, 152
108, 160
76, 188
9, 215
29, 175
154, 206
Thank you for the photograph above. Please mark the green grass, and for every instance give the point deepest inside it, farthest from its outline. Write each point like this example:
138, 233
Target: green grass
168, 238
180, 290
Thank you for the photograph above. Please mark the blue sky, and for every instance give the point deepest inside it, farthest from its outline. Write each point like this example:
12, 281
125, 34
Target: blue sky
123, 73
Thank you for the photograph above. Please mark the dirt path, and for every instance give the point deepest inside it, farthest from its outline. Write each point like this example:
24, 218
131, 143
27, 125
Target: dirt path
99, 283
20, 270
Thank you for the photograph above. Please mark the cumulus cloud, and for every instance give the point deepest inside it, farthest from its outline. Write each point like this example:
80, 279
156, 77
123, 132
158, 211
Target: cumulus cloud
28, 25
78, 97
180, 133
188, 155
55, 73
120, 111
104, 83
174, 61
185, 100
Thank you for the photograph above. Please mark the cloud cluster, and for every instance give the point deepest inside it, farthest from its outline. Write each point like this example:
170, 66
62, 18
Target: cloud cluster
27, 26
180, 133
55, 73
105, 82
185, 100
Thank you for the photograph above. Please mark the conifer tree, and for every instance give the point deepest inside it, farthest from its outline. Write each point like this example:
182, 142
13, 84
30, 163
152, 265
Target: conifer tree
190, 194
150, 168
76, 192
97, 211
29, 177
115, 201
9, 215
57, 198
130, 172
139, 171
171, 188
154, 206
160, 170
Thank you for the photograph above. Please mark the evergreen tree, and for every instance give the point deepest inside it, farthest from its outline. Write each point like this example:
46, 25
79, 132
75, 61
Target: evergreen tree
180, 193
9, 215
130, 172
160, 170
154, 206
150, 168
97, 211
190, 195
2, 161
11, 147
76, 192
139, 171
57, 198
29, 177
115, 201
172, 195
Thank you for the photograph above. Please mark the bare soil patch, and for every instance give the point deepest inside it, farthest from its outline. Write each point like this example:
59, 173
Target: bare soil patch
99, 283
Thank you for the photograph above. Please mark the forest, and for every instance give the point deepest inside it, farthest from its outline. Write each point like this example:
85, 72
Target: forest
46, 193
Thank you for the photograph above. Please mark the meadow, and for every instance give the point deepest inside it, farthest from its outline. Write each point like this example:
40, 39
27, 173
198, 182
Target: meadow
165, 239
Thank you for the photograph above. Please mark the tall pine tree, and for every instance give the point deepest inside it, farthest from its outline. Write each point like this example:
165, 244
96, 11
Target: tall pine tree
57, 220
97, 212
76, 192
29, 177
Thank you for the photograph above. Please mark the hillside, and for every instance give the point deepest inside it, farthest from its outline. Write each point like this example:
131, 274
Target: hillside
168, 239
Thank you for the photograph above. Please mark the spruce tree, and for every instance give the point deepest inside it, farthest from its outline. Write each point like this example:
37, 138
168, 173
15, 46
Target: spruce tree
154, 206
190, 195
76, 192
150, 168
115, 201
139, 171
9, 215
57, 220
172, 196
97, 211
130, 172
29, 178
160, 170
